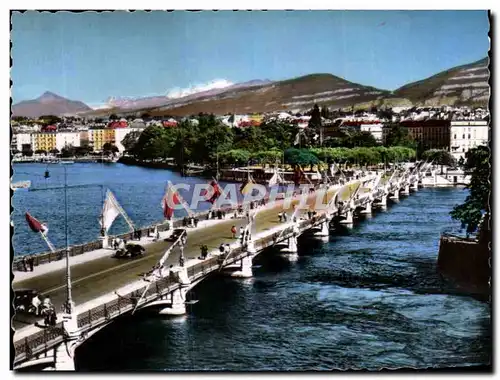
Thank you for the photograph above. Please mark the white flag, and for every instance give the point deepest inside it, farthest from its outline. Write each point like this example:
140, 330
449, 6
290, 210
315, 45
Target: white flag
332, 170
274, 180
109, 211
297, 139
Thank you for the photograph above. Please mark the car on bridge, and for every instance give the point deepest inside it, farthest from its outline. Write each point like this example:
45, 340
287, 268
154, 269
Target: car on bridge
176, 234
131, 250
23, 300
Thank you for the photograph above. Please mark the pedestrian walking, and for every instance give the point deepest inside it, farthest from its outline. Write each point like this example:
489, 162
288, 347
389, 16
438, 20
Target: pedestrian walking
196, 220
25, 264
280, 216
31, 263
233, 231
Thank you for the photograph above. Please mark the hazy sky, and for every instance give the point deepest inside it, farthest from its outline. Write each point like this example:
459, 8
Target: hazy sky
92, 56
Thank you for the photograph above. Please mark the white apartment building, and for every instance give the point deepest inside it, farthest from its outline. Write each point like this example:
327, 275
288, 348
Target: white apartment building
465, 134
374, 129
20, 139
66, 139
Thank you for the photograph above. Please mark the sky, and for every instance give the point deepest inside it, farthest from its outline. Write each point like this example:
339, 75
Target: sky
92, 56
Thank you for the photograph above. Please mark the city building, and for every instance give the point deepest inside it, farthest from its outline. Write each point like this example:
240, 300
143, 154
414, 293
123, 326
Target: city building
429, 134
96, 139
45, 141
375, 128
465, 135
67, 139
22, 142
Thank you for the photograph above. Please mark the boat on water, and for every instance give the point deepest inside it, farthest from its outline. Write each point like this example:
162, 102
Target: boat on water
21, 185
190, 172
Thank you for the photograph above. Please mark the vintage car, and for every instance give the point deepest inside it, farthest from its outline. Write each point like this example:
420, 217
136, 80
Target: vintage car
176, 233
23, 300
131, 250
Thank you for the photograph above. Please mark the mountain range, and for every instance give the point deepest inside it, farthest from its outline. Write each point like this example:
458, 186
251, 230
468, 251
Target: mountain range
461, 85
49, 104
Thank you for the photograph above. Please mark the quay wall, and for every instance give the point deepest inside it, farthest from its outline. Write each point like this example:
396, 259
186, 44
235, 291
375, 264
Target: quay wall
466, 263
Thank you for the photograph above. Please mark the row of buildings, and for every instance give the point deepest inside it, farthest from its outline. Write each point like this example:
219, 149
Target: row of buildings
456, 129
57, 140
457, 136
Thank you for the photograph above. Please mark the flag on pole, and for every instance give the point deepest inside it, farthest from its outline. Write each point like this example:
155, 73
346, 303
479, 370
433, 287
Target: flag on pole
332, 170
168, 202
215, 194
297, 175
297, 139
274, 180
110, 210
35, 225
246, 187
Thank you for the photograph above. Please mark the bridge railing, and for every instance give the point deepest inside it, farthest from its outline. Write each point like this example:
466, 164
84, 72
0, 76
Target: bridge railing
47, 257
50, 336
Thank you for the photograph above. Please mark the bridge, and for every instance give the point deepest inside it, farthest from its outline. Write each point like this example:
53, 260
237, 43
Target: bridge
105, 288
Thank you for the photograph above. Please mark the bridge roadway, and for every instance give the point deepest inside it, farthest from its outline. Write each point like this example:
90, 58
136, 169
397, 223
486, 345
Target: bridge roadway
101, 276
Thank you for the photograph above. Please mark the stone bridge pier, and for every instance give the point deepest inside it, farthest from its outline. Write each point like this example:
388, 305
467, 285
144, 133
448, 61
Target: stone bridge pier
406, 189
175, 302
367, 207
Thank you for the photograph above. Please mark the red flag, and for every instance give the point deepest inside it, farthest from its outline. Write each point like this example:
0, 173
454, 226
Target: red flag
34, 224
297, 176
170, 199
214, 194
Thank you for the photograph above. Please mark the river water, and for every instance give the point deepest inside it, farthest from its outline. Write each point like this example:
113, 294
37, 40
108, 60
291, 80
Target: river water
139, 191
368, 298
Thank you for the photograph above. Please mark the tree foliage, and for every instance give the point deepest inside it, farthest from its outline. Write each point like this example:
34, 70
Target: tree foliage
398, 136
439, 156
301, 157
315, 120
476, 204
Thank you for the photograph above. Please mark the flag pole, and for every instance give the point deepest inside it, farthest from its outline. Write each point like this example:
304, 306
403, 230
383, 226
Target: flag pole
47, 241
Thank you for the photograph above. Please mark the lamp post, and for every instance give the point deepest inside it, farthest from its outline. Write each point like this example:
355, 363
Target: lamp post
69, 305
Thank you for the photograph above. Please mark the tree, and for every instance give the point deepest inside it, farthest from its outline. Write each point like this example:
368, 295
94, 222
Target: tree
268, 156
398, 136
113, 117
235, 157
362, 139
54, 151
155, 142
315, 120
83, 150
68, 151
476, 205
40, 151
130, 140
49, 119
439, 157
300, 157
110, 148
